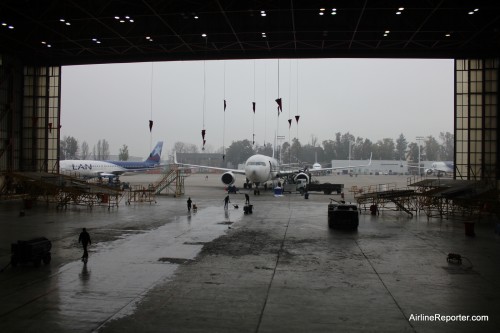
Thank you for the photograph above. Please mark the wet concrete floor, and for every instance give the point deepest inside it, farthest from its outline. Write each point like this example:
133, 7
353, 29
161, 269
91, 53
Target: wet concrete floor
156, 268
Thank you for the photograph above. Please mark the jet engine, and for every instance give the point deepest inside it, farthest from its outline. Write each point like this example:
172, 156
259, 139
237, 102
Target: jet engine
228, 178
429, 171
301, 175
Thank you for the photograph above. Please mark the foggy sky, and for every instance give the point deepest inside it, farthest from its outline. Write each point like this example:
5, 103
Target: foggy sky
369, 98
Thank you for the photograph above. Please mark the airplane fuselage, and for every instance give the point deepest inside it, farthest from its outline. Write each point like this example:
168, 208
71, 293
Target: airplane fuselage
96, 168
89, 168
260, 168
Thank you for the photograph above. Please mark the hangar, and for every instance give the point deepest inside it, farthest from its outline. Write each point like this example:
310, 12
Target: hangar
37, 38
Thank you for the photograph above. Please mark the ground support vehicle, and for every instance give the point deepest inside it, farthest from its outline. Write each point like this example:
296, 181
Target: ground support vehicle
35, 250
343, 216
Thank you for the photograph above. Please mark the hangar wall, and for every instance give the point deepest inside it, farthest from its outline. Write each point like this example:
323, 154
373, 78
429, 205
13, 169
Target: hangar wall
477, 119
29, 116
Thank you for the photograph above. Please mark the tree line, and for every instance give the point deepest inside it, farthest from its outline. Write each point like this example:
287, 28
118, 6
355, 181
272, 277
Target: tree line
70, 149
343, 147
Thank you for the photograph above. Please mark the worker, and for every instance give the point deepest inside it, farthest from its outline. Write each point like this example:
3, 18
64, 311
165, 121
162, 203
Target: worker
85, 240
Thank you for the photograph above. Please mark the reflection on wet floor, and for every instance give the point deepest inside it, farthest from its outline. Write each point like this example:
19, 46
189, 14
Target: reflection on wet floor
82, 295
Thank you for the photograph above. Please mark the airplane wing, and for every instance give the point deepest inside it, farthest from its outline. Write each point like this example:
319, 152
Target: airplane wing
236, 171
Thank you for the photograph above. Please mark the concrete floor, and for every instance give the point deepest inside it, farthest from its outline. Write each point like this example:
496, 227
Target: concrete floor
156, 268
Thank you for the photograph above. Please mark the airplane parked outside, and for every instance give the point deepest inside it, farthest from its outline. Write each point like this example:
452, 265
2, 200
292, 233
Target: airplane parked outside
96, 168
440, 168
261, 168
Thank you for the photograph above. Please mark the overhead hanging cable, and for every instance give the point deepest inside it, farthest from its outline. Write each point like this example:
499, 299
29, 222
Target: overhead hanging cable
224, 126
253, 105
151, 109
203, 131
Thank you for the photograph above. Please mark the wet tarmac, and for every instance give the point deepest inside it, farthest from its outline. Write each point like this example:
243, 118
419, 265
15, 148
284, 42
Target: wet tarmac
157, 268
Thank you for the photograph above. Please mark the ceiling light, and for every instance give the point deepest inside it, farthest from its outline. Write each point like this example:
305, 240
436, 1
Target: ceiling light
470, 13
127, 17
401, 8
448, 35
147, 37
196, 17
122, 21
334, 13
263, 14
322, 9
387, 31
117, 17
62, 20
321, 13
385, 35
44, 43
131, 21
11, 27
476, 9
334, 9
4, 24
398, 13
203, 35
67, 23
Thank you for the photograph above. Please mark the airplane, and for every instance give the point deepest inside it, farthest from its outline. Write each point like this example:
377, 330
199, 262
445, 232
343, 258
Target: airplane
440, 168
109, 169
261, 168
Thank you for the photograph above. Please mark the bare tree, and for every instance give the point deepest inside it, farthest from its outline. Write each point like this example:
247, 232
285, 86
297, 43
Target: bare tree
84, 153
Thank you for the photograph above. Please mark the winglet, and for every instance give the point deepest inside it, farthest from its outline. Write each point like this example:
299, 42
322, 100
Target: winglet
175, 157
370, 162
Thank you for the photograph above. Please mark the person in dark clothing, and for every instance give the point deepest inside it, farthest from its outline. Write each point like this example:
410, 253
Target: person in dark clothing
247, 199
85, 240
189, 202
226, 201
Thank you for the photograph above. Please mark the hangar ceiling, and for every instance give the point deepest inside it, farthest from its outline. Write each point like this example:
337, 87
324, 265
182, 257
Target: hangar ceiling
63, 32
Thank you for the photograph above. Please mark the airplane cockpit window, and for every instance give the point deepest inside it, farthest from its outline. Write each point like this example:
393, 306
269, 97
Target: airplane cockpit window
257, 163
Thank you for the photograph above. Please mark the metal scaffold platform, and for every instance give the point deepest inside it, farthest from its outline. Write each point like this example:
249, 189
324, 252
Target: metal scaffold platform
139, 193
385, 197
458, 199
59, 189
171, 181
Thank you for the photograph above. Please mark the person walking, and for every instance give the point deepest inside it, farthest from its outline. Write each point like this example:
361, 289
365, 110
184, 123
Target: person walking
85, 240
226, 201
247, 199
189, 202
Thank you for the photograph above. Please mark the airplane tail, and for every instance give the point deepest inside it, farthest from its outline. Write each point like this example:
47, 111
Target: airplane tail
155, 155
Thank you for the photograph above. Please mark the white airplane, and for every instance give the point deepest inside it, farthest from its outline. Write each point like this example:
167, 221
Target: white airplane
316, 165
95, 168
260, 169
440, 168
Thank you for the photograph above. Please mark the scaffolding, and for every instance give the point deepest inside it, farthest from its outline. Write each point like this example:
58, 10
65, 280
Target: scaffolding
385, 197
59, 189
171, 182
139, 193
455, 199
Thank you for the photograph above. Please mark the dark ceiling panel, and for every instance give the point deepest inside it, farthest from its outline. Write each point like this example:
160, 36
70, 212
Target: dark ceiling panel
64, 32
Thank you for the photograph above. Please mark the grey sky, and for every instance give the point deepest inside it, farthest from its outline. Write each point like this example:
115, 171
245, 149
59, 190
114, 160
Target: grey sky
370, 98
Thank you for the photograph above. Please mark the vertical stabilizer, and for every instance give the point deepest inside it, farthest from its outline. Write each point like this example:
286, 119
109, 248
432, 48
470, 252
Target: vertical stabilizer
155, 155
